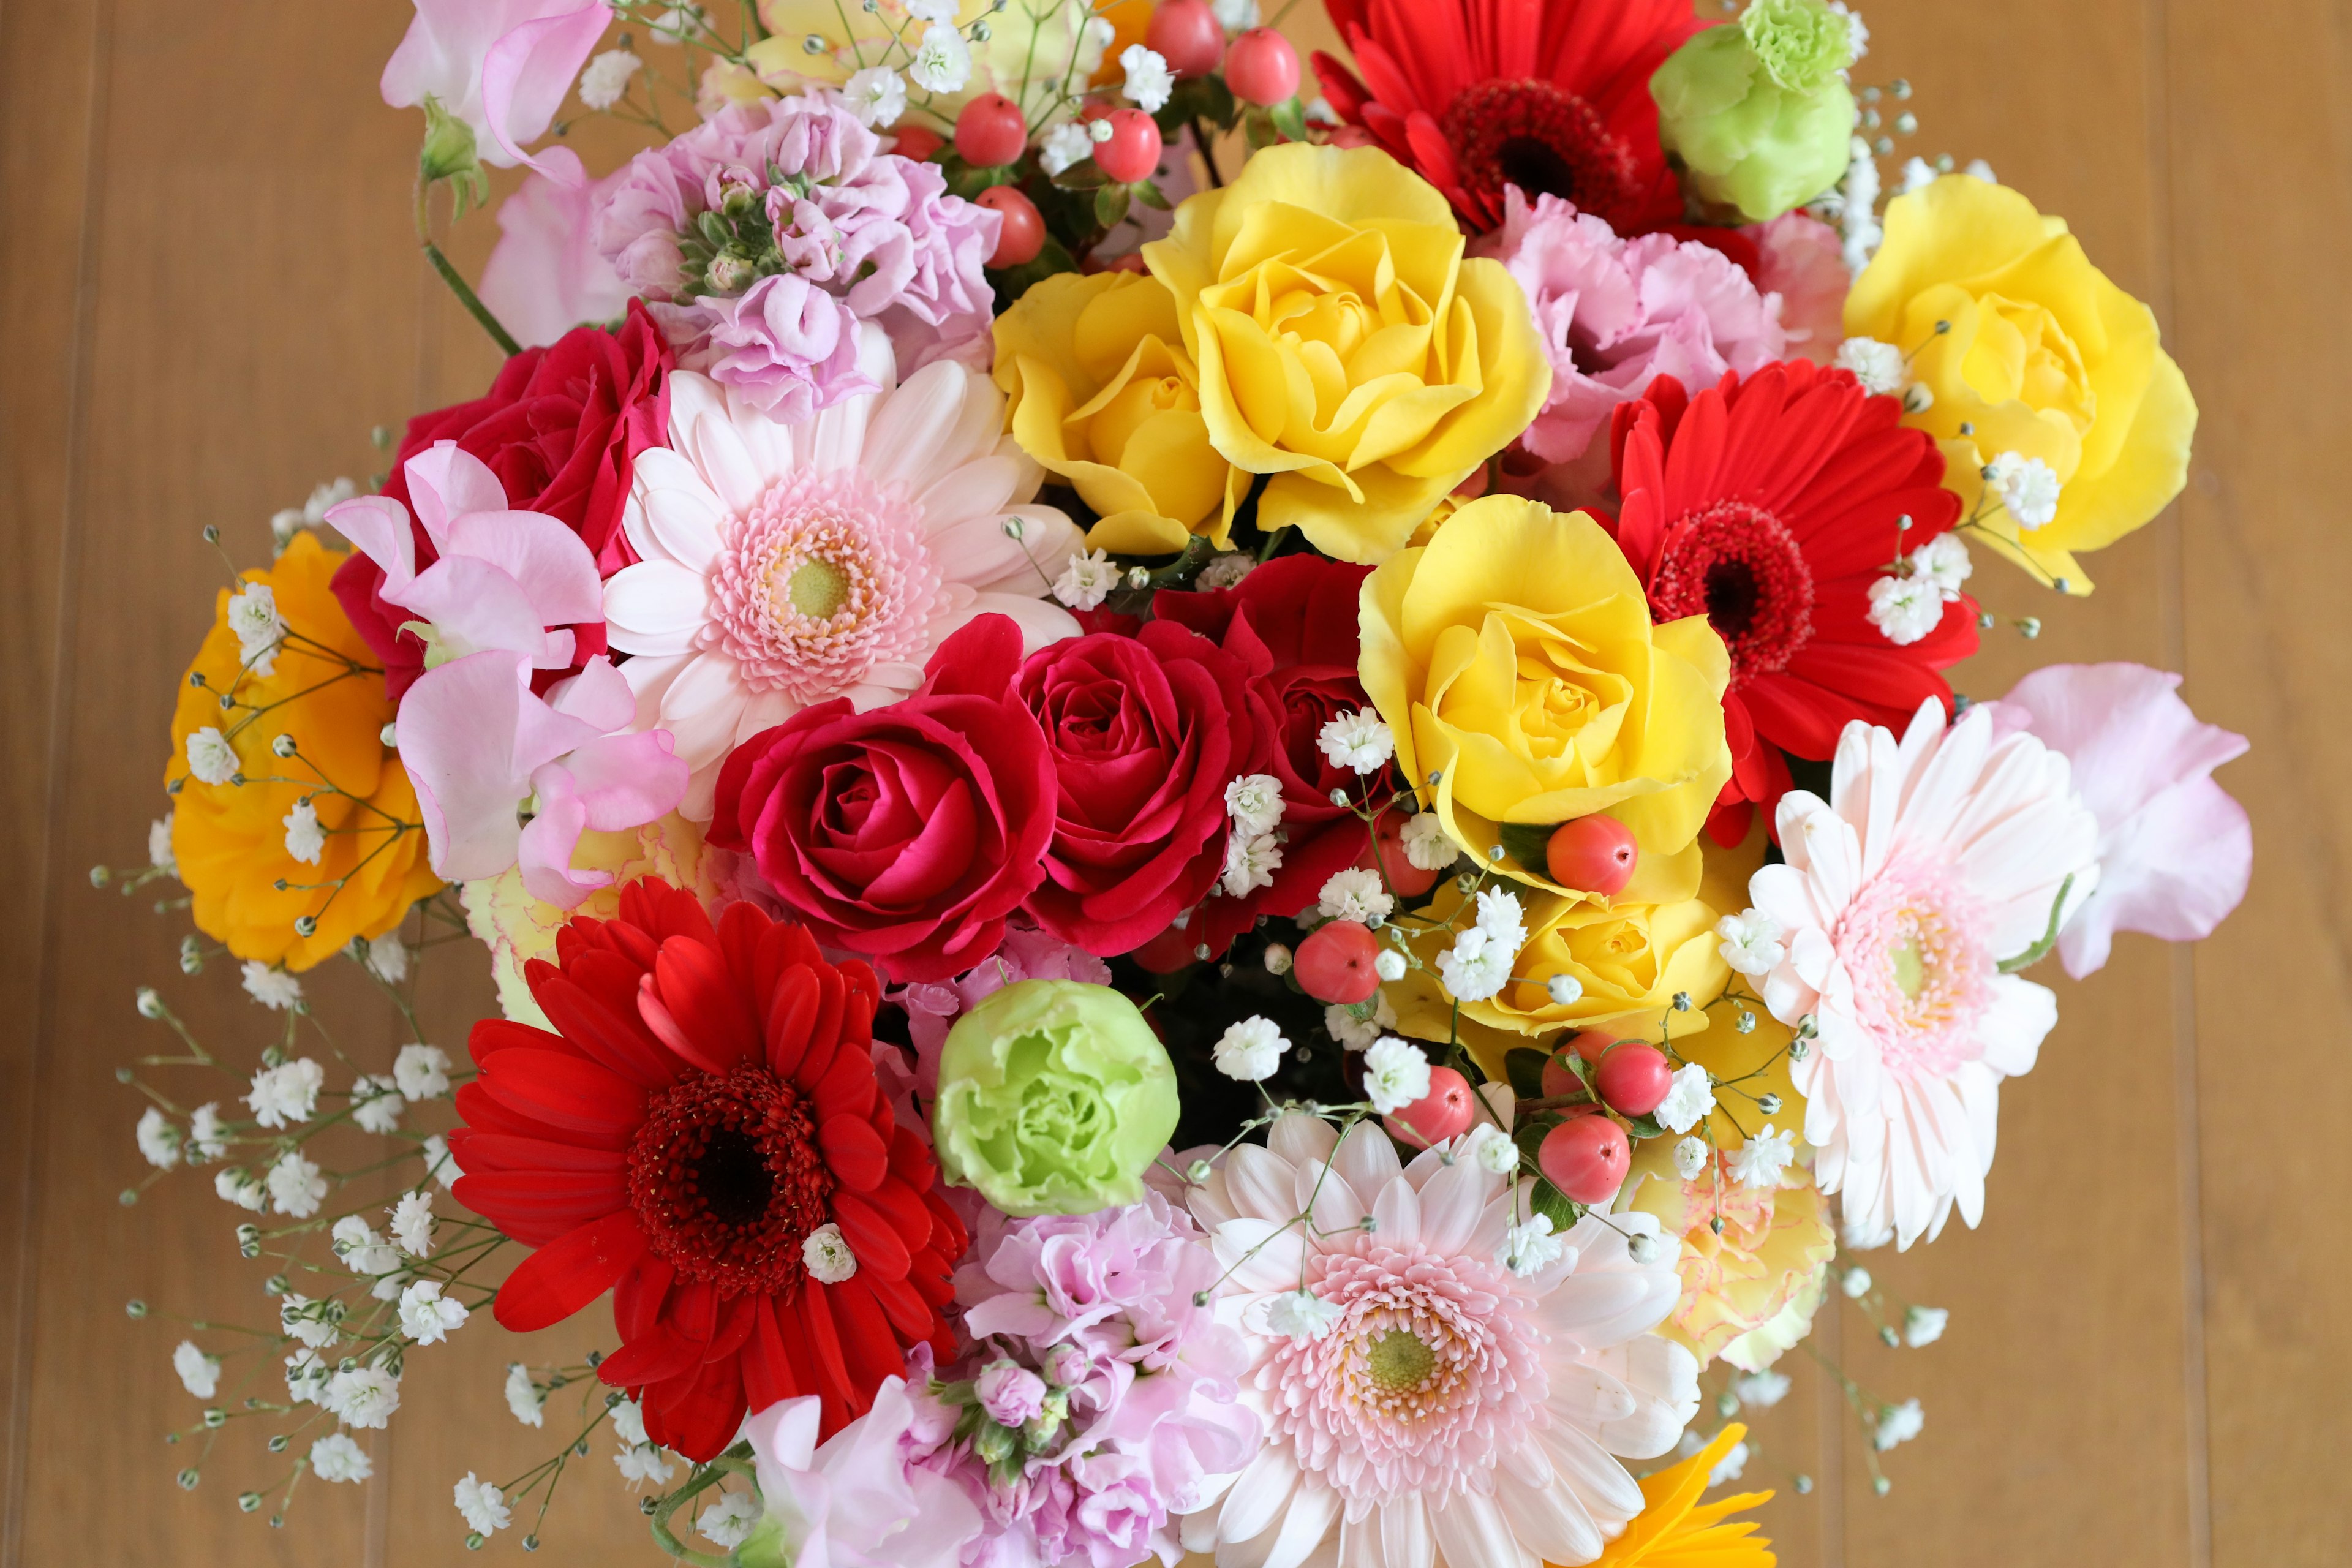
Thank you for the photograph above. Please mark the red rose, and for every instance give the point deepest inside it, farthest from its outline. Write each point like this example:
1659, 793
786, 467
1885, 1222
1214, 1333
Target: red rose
1297, 616
907, 833
562, 427
1145, 733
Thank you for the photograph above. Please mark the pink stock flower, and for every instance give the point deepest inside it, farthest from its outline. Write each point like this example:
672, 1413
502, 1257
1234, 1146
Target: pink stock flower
1616, 314
859, 1500
493, 608
787, 347
545, 276
502, 66
1801, 259
2175, 850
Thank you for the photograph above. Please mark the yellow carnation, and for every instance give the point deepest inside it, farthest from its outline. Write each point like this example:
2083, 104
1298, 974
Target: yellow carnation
517, 927
1514, 659
2041, 356
1104, 394
1345, 346
324, 689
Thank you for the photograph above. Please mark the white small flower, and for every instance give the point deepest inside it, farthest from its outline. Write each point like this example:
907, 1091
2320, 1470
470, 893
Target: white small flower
411, 1223
1646, 1247
1225, 572
1086, 580
1917, 175
422, 1072
273, 988
376, 1104
306, 1377
525, 1398
2028, 487
295, 1187
1943, 562
1530, 1248
199, 1372
287, 1094
1355, 1030
1500, 917
1300, 1315
1565, 990
1879, 367
1396, 1074
1765, 1158
676, 24
362, 1396
1279, 958
208, 1134
1063, 148
1728, 1468
1148, 82
253, 616
607, 80
1752, 942
159, 845
643, 1463
629, 1422
1389, 964
1476, 966
1254, 802
1855, 1282
210, 758
315, 1323
1360, 740
1427, 846
1905, 609
362, 1249
826, 1256
242, 1187
1898, 1424
335, 1457
385, 957
1761, 1389
1251, 861
441, 1165
1250, 1051
1093, 40
1857, 34
427, 1316
729, 1521
1690, 1159
1354, 893
1978, 169
1235, 15
943, 62
878, 96
1690, 1097
484, 1506
1923, 1326
158, 1139
933, 10
1492, 1150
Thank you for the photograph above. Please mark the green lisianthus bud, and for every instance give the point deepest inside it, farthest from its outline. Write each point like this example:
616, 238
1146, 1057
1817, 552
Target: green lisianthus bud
1758, 116
1055, 1098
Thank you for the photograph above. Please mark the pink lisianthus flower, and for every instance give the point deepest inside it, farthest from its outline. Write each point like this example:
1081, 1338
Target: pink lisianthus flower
1027, 953
502, 66
860, 1499
496, 606
2175, 850
545, 276
1614, 314
1801, 259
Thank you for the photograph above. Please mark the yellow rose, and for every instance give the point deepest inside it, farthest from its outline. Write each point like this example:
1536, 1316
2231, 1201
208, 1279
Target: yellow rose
2041, 356
1104, 396
1514, 659
1346, 347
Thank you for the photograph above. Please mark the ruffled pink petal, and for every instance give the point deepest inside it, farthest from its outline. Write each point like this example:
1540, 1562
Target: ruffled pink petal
446, 482
525, 76
546, 559
626, 781
476, 607
543, 851
378, 526
599, 696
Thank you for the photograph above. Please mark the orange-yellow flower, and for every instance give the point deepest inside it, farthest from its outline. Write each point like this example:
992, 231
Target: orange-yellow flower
1675, 1531
231, 839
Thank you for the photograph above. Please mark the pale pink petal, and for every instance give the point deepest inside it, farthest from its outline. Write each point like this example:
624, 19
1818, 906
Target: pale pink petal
546, 276
379, 527
655, 607
525, 74
446, 482
476, 607
543, 851
547, 561
599, 697
626, 781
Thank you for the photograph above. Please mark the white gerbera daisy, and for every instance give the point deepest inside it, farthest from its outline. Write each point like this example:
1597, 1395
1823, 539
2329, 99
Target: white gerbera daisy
783, 565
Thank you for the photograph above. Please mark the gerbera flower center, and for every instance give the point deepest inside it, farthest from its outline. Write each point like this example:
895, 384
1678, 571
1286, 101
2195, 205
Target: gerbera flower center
1739, 566
823, 577
1544, 140
728, 1179
1913, 943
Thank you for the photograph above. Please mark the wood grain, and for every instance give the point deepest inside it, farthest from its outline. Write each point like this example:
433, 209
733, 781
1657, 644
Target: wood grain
211, 296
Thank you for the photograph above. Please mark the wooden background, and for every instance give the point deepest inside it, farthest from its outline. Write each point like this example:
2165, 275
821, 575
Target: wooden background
210, 296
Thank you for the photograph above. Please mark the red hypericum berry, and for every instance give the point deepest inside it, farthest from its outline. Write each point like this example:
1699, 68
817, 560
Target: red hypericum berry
1558, 1078
1593, 854
1334, 964
1633, 1079
1185, 34
1262, 68
1593, 1044
916, 142
1132, 153
1586, 1158
1023, 234
991, 132
1405, 878
1445, 1112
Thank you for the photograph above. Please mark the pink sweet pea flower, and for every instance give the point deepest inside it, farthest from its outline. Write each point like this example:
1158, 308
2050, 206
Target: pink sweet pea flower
502, 66
2175, 850
857, 1500
546, 276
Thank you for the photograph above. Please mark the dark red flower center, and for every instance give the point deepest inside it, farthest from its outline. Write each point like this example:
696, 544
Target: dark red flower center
1738, 565
1544, 140
728, 1179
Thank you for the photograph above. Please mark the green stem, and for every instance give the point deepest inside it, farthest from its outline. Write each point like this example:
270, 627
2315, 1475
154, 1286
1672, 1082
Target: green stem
471, 301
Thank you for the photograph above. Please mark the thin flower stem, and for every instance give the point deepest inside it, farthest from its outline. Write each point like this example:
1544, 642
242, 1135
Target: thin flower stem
471, 301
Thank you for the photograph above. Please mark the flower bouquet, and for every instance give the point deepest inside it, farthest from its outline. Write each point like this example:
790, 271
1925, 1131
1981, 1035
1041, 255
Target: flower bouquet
1216, 817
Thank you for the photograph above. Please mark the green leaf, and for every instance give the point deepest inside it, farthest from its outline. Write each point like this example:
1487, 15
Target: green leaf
2041, 950
1527, 843
1289, 117
1151, 196
1555, 1206
1086, 174
1110, 205
1524, 1065
1644, 1127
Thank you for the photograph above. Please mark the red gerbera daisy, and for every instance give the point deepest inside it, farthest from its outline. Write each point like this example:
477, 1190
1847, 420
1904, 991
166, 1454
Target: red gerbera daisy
1770, 506
708, 1105
1547, 95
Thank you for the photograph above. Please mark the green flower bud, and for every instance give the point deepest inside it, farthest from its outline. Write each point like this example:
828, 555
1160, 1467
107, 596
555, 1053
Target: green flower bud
448, 154
1055, 1098
1758, 116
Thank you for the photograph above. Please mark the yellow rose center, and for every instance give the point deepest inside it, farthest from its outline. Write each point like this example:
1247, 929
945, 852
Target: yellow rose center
1116, 422
2021, 353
